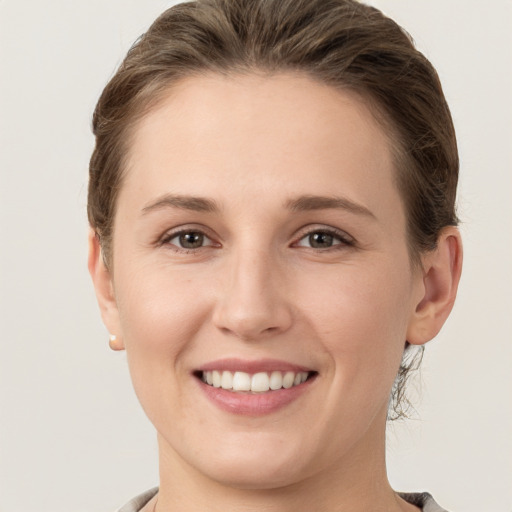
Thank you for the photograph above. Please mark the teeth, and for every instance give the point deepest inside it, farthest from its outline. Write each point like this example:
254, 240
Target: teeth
257, 383
216, 378
260, 383
288, 380
226, 382
276, 380
241, 381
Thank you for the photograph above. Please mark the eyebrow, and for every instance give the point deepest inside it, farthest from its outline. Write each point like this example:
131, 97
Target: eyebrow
300, 204
196, 204
310, 202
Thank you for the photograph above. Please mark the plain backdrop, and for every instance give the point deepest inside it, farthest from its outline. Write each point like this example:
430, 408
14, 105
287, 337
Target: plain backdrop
72, 435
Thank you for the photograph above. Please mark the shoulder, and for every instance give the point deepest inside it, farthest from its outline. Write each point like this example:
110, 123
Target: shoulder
135, 504
423, 500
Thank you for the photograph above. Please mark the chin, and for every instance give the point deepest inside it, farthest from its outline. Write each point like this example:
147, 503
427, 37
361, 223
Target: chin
252, 462
261, 476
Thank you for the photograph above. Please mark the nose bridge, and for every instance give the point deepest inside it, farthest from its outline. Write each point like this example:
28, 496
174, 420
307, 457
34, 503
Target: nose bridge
253, 301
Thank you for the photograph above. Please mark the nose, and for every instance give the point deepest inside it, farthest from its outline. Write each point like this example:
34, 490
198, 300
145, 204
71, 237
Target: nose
253, 303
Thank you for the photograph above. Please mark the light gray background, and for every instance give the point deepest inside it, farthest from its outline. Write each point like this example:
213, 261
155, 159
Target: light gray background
72, 435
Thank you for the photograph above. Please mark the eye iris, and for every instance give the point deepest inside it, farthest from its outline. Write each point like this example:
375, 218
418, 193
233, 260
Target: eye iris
321, 240
191, 240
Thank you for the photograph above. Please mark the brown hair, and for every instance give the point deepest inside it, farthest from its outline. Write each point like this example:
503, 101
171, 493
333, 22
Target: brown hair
343, 43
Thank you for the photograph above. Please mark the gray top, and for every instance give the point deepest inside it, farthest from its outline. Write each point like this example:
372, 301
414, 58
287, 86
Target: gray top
423, 500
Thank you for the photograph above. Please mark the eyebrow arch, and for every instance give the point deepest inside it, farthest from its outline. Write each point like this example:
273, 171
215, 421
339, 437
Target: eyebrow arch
197, 204
308, 203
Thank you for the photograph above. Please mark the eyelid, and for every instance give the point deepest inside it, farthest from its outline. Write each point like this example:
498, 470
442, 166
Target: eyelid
179, 230
344, 238
179, 233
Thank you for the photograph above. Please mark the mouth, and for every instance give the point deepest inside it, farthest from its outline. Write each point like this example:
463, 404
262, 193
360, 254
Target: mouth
253, 388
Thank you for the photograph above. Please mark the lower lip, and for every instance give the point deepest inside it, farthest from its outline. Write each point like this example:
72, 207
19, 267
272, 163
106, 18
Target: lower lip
254, 404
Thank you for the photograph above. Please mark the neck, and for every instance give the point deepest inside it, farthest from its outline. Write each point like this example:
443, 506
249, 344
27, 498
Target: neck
356, 483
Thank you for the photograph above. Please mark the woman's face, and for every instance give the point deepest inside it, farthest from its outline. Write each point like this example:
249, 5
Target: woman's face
259, 231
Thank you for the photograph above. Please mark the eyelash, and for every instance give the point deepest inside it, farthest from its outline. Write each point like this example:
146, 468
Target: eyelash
342, 237
166, 240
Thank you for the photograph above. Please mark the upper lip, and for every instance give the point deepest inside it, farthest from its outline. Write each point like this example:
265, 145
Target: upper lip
252, 366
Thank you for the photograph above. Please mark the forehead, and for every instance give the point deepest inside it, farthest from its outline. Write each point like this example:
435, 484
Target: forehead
286, 131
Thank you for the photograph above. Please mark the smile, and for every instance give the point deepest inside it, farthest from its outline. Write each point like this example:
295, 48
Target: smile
260, 382
254, 388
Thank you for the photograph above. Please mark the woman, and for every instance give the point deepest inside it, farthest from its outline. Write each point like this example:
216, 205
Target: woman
272, 204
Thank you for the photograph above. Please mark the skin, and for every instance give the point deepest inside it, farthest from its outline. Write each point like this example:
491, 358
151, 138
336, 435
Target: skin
258, 289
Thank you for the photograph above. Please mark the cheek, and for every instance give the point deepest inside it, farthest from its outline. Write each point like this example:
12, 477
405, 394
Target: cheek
361, 316
161, 312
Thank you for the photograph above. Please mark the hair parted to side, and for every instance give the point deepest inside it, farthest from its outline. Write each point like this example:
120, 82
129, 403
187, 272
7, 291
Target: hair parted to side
343, 43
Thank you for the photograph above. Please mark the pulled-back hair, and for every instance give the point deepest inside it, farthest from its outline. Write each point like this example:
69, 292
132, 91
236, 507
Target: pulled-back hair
342, 43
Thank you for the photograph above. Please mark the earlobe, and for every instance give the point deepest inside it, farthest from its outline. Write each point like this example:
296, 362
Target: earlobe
441, 274
115, 343
103, 286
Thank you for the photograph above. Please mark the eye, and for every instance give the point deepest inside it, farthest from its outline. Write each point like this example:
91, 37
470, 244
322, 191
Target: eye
324, 239
188, 240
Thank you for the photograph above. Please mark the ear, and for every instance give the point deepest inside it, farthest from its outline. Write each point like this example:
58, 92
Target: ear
441, 271
103, 285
